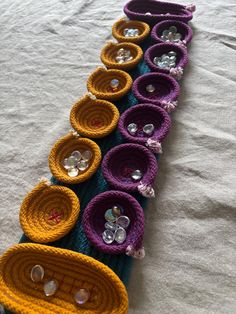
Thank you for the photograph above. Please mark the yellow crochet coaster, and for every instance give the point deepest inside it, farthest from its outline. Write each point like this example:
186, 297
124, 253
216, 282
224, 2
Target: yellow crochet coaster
70, 270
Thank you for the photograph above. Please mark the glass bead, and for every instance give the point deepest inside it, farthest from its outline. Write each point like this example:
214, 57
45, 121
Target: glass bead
136, 175
156, 60
108, 236
172, 64
73, 172
165, 32
114, 84
50, 287
172, 58
116, 211
173, 29
82, 165
172, 53
69, 162
131, 32
82, 296
120, 235
109, 216
148, 13
148, 129
132, 128
121, 52
87, 155
76, 154
120, 59
110, 226
123, 221
150, 88
37, 273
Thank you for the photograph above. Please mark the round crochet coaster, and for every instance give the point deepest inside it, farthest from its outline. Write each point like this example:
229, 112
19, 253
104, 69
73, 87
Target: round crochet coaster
94, 118
182, 28
94, 221
63, 149
157, 88
109, 84
151, 11
160, 49
48, 212
110, 52
121, 25
69, 273
142, 115
121, 161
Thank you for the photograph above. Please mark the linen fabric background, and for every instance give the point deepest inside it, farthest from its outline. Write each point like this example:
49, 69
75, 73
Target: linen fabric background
47, 51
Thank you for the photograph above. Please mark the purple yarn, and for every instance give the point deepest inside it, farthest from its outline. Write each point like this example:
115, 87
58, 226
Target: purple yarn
94, 221
167, 89
182, 28
144, 114
136, 9
159, 49
121, 160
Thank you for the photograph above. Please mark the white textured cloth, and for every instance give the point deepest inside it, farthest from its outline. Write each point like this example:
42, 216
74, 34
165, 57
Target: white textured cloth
47, 51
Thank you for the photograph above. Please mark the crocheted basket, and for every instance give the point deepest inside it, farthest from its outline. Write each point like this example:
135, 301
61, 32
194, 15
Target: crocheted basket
152, 12
142, 115
63, 148
119, 163
109, 54
166, 90
94, 221
182, 28
99, 83
72, 271
94, 118
48, 212
158, 50
119, 27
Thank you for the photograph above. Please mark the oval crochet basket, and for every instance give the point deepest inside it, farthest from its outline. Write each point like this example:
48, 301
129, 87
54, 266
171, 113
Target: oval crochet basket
142, 115
109, 54
152, 12
119, 27
99, 83
71, 270
182, 28
63, 148
122, 160
94, 221
166, 88
94, 118
48, 212
159, 49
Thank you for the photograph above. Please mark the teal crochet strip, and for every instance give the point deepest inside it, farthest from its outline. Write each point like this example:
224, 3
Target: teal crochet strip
76, 240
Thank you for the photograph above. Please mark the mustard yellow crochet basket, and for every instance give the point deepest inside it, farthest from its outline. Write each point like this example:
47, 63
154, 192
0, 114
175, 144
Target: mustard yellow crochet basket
72, 271
48, 212
94, 118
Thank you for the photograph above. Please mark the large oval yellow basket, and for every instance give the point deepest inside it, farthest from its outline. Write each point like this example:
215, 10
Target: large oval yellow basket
48, 212
70, 272
119, 27
109, 84
64, 148
94, 118
112, 56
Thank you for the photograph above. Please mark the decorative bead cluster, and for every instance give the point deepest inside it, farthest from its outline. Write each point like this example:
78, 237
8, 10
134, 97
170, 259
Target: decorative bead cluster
131, 32
115, 226
166, 61
171, 35
77, 162
123, 55
147, 129
50, 287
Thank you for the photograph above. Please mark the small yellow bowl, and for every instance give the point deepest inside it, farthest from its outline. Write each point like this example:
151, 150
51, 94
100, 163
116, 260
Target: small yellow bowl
119, 27
63, 148
99, 83
94, 118
70, 270
48, 212
109, 53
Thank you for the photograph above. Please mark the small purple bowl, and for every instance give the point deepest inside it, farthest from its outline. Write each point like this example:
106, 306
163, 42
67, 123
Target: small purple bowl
166, 89
119, 163
159, 49
152, 12
141, 115
182, 28
94, 221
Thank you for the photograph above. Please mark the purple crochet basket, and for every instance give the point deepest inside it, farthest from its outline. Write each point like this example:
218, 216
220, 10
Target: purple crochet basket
182, 28
151, 11
94, 221
141, 115
122, 160
166, 90
159, 49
